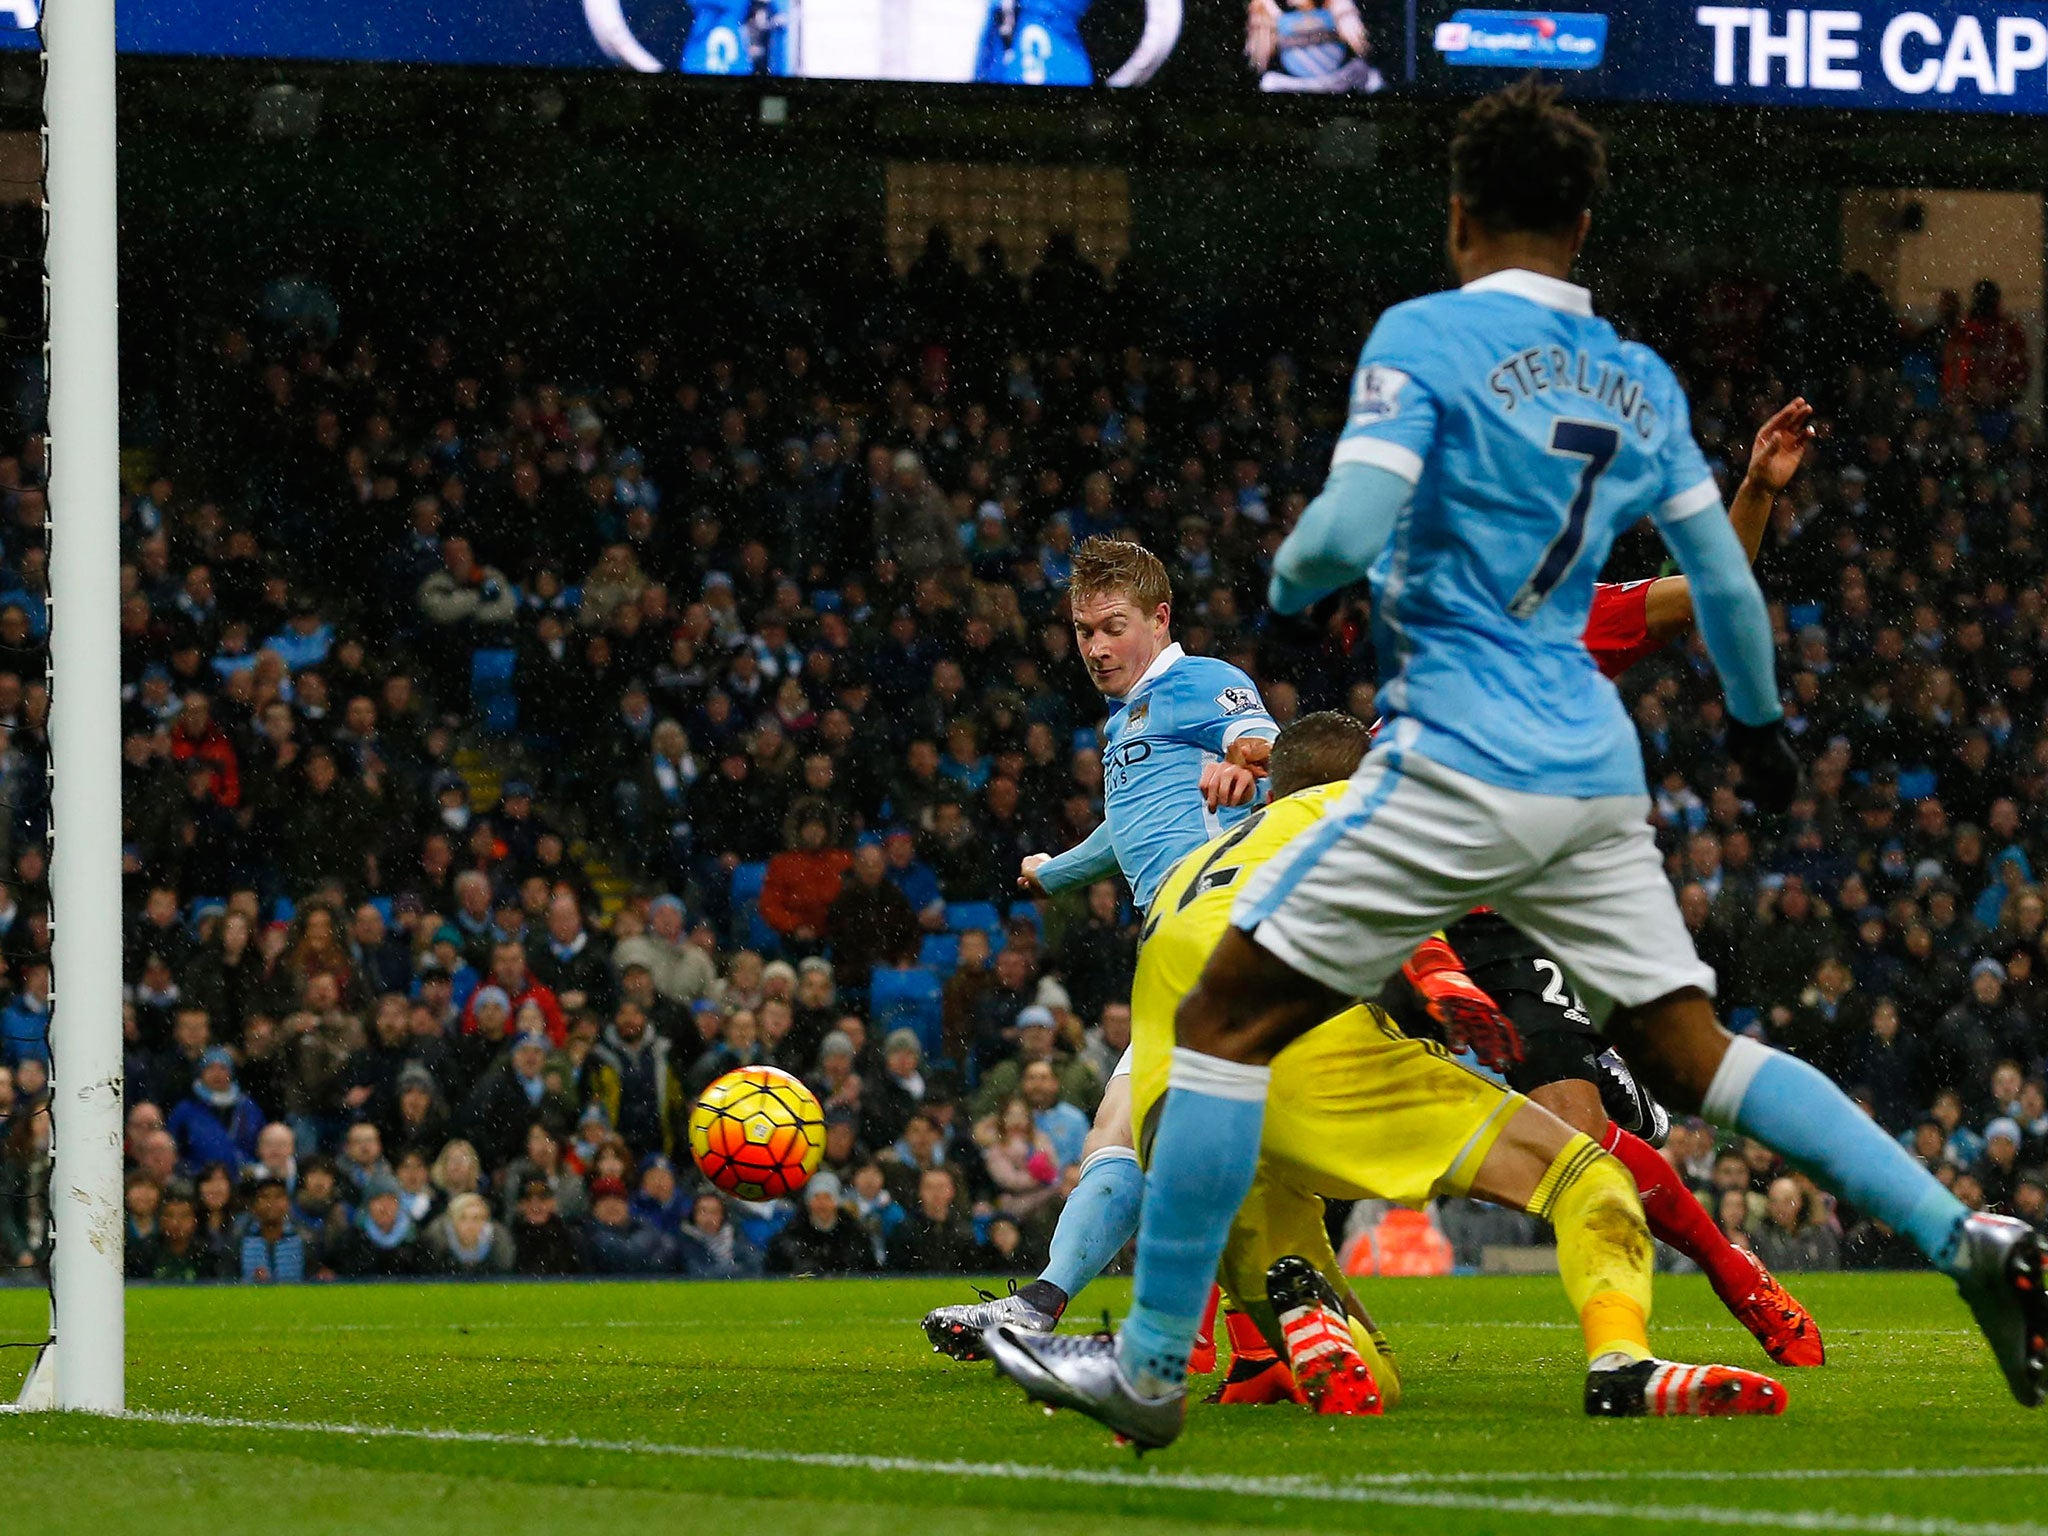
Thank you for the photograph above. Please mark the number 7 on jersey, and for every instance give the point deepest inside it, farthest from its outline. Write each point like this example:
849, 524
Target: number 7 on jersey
1597, 444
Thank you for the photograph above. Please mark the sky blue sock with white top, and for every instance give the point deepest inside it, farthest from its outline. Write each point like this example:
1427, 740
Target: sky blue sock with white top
1792, 1107
1100, 1216
1203, 1159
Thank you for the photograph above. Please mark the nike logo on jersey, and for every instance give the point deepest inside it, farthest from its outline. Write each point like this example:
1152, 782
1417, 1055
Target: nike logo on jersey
1523, 376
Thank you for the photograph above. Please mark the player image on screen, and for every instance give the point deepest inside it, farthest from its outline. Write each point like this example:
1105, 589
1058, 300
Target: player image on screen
1315, 46
743, 37
988, 42
1034, 42
1038, 42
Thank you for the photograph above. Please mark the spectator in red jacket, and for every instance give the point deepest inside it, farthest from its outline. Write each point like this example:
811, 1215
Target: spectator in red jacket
1986, 357
508, 970
801, 884
196, 735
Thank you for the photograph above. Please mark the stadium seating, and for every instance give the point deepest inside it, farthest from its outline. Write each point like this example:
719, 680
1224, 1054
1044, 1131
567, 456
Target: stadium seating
908, 997
963, 915
744, 893
491, 691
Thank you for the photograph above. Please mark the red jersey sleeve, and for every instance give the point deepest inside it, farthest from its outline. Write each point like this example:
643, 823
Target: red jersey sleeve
1617, 628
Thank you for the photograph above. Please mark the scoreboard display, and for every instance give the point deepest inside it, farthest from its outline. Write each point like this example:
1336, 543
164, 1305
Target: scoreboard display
1909, 55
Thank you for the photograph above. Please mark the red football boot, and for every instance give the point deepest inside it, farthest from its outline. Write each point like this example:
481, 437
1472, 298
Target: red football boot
1663, 1389
1328, 1369
1786, 1330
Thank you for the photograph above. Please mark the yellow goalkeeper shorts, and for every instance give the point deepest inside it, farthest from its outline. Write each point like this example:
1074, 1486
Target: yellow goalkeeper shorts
1357, 1110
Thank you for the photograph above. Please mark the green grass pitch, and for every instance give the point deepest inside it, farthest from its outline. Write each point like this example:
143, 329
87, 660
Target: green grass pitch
800, 1408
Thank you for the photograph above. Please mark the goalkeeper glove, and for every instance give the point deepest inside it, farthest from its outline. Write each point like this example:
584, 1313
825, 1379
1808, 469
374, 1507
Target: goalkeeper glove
1471, 1020
1770, 768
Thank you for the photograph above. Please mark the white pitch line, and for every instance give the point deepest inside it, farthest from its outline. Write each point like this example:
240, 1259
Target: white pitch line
1410, 1493
1710, 1475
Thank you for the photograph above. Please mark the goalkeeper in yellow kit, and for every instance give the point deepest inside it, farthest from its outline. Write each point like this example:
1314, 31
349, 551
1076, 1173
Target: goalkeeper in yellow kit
1359, 1110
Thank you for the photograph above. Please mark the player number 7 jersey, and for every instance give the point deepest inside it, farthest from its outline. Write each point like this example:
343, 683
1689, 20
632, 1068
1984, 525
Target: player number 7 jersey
1533, 435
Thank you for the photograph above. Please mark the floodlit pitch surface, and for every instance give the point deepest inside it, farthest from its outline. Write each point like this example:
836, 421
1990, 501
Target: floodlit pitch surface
799, 1408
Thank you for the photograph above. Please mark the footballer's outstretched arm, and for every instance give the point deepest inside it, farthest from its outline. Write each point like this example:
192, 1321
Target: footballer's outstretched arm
1730, 609
1091, 859
1162, 31
1774, 458
1339, 535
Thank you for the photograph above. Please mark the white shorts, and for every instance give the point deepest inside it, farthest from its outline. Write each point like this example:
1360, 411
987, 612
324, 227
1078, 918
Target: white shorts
1412, 845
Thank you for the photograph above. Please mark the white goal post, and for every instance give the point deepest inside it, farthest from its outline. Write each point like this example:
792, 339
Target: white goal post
83, 1367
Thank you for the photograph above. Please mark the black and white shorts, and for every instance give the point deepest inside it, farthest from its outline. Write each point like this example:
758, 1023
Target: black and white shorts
1559, 1043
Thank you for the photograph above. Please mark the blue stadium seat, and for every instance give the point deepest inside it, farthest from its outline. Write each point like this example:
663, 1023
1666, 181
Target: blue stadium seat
748, 926
963, 915
493, 666
490, 689
385, 907
1799, 615
1086, 740
907, 999
747, 880
1028, 912
1916, 783
940, 951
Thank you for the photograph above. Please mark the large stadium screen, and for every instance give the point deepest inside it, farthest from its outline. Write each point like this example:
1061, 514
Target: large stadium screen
1295, 46
1937, 55
1326, 47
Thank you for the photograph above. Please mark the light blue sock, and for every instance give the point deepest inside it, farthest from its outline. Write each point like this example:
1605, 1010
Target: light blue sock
1203, 1159
1101, 1215
1787, 1104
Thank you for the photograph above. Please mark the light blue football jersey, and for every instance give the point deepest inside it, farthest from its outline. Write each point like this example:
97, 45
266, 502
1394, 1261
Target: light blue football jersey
1533, 436
1182, 715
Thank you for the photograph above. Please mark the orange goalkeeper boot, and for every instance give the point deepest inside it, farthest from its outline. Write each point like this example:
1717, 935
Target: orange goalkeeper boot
1257, 1376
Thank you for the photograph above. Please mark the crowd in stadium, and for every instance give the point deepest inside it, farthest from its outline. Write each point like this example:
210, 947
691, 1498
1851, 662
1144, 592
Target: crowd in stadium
779, 633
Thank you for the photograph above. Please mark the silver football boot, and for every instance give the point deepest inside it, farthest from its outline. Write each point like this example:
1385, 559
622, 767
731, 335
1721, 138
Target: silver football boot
957, 1331
1079, 1371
